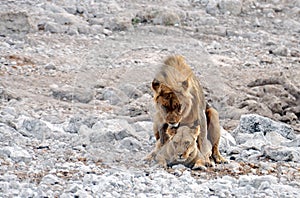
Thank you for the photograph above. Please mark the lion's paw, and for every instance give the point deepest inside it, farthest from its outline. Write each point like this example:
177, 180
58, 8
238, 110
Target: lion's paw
220, 159
199, 165
208, 164
149, 158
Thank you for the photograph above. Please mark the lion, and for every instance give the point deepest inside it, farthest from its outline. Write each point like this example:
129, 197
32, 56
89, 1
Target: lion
181, 148
179, 101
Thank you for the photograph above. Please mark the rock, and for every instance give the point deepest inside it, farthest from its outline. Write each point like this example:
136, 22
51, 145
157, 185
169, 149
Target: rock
68, 93
122, 134
256, 142
226, 141
73, 125
98, 151
36, 128
17, 154
53, 27
212, 7
111, 130
53, 8
257, 181
293, 143
83, 193
275, 138
280, 51
50, 66
167, 18
118, 23
114, 96
143, 126
27, 192
130, 144
15, 23
131, 91
137, 107
51, 179
253, 123
279, 153
107, 32
233, 7
6, 95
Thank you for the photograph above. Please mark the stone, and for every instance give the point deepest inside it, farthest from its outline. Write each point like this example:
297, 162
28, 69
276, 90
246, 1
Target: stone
122, 134
143, 126
51, 179
111, 130
168, 18
280, 51
50, 66
94, 150
53, 27
131, 91
74, 125
253, 123
15, 23
279, 153
68, 93
130, 144
275, 138
118, 23
226, 140
256, 142
53, 8
267, 180
6, 95
293, 143
212, 7
16, 153
114, 96
34, 128
234, 7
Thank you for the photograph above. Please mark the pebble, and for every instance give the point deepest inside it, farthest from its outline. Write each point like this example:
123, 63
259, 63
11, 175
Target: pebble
233, 7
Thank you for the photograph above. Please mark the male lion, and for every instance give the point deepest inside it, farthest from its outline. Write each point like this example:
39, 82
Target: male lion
179, 100
181, 148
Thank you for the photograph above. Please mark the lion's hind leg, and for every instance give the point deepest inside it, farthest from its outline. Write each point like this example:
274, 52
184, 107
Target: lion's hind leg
217, 156
214, 134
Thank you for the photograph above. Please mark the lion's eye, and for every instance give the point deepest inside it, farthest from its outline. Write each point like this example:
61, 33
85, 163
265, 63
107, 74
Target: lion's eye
179, 108
164, 107
168, 96
175, 144
187, 143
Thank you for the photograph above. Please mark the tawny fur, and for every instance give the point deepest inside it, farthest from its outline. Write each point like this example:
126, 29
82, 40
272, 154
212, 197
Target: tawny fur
181, 148
179, 98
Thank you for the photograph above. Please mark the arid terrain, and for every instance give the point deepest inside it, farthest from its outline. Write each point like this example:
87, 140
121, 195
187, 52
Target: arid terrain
76, 105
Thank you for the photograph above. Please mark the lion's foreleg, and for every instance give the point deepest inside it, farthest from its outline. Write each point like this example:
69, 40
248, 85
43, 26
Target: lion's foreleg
203, 132
163, 136
153, 153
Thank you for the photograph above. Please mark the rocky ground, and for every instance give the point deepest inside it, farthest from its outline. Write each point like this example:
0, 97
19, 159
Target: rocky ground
76, 106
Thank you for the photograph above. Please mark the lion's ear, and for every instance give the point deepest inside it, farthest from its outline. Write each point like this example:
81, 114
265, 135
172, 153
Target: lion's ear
155, 84
185, 84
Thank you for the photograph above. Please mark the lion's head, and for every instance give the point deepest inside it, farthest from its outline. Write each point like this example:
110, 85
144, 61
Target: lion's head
172, 104
184, 141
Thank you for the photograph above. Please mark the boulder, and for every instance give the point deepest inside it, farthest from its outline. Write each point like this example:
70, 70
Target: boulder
252, 123
14, 23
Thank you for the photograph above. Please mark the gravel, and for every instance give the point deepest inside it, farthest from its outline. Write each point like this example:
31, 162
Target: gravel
76, 105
